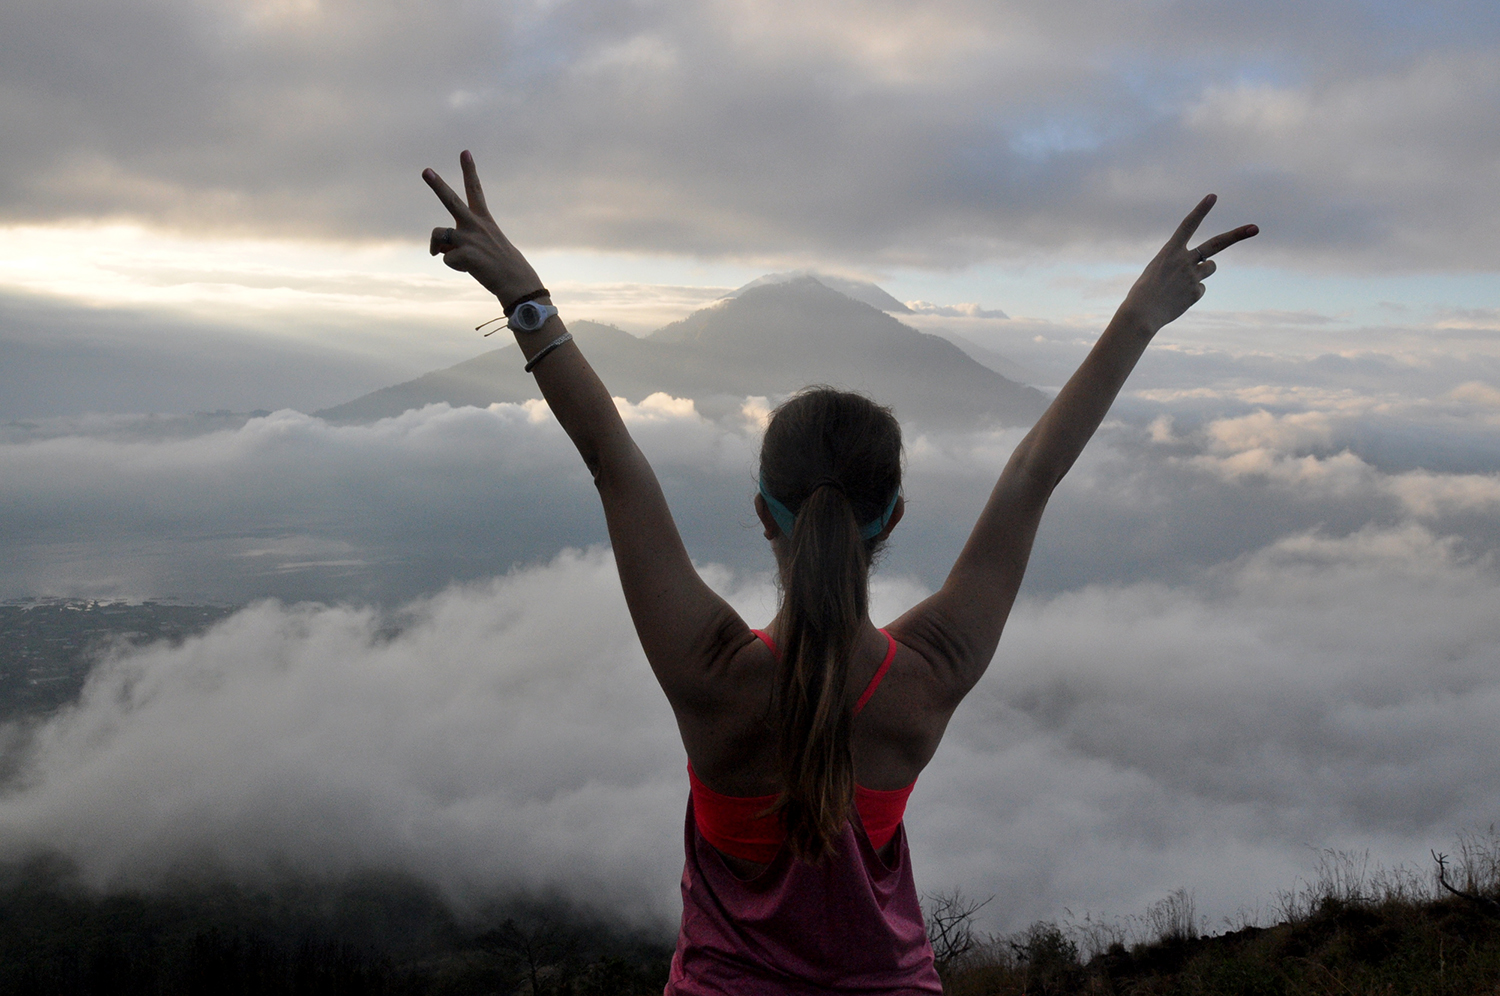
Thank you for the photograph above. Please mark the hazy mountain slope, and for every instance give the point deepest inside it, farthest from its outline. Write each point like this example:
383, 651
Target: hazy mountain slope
985, 356
498, 375
774, 339
770, 341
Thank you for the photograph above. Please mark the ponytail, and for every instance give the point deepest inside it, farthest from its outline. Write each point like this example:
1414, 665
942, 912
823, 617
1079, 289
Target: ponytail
826, 598
841, 455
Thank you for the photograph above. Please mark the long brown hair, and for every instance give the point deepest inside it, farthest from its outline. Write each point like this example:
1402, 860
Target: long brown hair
834, 460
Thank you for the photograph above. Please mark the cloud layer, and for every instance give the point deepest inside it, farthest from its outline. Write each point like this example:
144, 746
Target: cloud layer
230, 509
1321, 692
1362, 134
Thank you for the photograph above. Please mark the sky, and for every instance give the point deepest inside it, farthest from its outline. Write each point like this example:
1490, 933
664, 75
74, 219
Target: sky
1259, 619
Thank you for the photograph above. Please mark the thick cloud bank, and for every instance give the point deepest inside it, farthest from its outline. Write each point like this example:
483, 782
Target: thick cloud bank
1339, 693
508, 735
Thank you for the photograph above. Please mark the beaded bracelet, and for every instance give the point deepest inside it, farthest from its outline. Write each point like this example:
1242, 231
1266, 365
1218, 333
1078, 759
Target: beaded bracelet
541, 354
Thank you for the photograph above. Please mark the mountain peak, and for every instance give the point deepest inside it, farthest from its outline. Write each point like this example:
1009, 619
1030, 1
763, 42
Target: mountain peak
770, 340
862, 291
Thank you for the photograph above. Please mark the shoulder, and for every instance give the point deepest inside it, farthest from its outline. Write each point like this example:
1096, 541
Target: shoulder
905, 718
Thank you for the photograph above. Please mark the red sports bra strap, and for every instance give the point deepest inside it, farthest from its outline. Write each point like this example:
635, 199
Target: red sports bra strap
885, 666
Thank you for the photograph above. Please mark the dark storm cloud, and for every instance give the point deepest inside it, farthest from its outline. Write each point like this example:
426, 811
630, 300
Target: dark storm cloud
946, 132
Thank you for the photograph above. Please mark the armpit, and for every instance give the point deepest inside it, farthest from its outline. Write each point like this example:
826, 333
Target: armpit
938, 641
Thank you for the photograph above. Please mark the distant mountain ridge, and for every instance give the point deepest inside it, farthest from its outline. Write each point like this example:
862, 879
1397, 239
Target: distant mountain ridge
860, 290
769, 340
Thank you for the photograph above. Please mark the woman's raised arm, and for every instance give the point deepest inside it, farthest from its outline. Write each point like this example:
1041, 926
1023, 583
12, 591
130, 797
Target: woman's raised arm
958, 628
682, 623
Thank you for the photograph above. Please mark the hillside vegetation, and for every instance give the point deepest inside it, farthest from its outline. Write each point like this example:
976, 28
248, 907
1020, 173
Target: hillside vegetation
1351, 931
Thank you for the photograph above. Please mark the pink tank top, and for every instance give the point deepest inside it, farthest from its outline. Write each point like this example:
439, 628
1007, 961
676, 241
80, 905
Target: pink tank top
852, 925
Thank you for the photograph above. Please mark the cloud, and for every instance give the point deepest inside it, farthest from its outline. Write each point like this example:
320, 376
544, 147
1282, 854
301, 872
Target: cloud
65, 360
1476, 392
1413, 115
966, 310
505, 735
1274, 449
231, 508
944, 134
509, 736
1325, 692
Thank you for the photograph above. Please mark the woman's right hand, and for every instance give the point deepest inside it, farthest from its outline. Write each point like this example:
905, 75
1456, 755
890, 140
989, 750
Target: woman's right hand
1173, 281
475, 245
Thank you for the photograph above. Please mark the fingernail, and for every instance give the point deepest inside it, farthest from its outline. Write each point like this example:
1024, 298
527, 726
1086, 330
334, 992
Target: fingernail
427, 173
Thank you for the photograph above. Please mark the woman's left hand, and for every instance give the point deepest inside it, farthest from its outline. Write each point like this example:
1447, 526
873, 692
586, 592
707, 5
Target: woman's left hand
1173, 281
475, 245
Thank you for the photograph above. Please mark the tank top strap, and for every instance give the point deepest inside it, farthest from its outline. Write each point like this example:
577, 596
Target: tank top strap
885, 666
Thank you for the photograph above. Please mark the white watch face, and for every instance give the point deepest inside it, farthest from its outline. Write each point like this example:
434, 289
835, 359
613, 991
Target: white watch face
530, 316
526, 317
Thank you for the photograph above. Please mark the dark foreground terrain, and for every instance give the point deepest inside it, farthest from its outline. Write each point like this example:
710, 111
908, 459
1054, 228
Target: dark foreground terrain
384, 934
1448, 947
1347, 932
368, 936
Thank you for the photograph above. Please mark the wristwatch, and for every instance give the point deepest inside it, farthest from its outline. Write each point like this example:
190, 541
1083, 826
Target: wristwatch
530, 316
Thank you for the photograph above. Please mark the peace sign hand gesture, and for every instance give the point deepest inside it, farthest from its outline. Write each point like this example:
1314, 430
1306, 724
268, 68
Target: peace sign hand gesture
1173, 281
475, 245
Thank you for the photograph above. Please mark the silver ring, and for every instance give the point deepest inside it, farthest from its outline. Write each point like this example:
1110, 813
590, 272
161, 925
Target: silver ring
1201, 258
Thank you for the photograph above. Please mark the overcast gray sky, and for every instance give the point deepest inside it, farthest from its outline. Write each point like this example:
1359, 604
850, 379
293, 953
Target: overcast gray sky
1364, 133
1260, 615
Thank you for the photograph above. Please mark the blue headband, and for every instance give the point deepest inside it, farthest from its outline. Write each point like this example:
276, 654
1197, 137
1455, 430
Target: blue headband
787, 521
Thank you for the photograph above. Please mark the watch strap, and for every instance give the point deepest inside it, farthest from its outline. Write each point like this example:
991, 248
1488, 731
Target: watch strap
508, 308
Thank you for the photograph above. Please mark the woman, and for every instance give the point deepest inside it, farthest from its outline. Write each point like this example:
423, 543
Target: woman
804, 740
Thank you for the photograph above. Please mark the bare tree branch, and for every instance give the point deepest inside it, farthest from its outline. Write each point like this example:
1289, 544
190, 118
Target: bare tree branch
950, 925
1484, 902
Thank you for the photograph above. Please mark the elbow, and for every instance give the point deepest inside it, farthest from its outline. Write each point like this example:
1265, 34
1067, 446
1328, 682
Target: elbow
1036, 478
611, 468
593, 464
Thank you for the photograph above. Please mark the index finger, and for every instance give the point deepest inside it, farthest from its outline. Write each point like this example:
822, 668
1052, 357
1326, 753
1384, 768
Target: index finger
1192, 221
471, 184
1224, 240
451, 201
